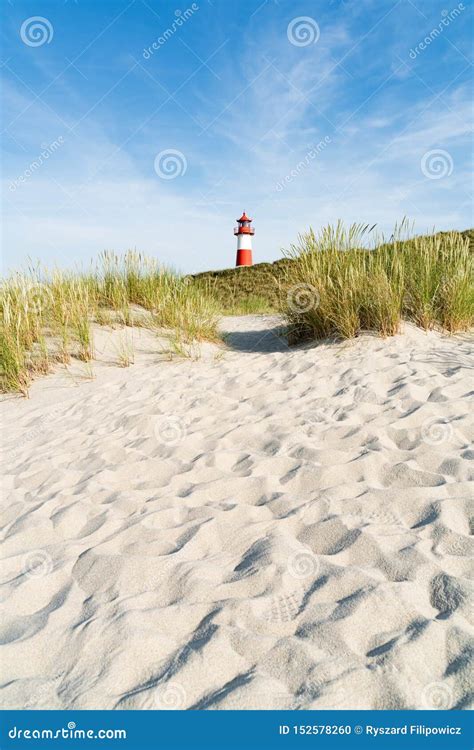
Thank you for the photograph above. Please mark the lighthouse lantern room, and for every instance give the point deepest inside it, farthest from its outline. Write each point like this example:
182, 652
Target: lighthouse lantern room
244, 234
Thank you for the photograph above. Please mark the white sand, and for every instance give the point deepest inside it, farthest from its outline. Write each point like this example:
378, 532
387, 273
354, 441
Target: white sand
261, 528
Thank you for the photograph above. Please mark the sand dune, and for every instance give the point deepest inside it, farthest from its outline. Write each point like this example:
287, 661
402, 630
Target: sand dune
261, 528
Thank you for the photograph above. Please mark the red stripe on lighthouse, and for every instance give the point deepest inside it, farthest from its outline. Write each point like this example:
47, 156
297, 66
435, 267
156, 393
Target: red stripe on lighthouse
244, 257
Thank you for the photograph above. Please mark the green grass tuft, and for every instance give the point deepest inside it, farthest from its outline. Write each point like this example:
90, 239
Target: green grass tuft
336, 283
344, 281
47, 317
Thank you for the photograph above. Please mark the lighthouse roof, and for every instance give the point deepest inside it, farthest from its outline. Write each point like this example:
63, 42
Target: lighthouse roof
244, 217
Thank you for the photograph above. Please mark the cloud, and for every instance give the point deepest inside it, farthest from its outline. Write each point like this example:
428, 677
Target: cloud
269, 110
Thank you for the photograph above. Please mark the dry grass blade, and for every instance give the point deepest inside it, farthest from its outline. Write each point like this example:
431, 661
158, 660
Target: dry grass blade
372, 287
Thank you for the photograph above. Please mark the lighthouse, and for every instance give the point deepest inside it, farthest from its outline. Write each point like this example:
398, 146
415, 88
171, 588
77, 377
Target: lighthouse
244, 234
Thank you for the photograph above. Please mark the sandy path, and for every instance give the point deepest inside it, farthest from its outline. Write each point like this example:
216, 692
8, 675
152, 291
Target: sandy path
261, 528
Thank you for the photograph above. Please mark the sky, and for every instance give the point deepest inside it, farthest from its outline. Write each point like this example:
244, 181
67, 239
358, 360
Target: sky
152, 125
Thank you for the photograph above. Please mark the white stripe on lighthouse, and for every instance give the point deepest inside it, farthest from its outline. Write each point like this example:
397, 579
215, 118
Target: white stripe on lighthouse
244, 242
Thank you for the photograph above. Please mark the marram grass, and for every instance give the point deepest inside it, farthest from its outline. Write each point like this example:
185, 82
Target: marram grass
48, 317
337, 283
353, 282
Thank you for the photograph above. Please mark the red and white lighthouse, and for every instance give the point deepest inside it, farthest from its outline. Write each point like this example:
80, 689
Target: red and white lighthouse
244, 234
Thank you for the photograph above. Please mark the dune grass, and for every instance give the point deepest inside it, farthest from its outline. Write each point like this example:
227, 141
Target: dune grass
47, 317
337, 283
244, 291
343, 281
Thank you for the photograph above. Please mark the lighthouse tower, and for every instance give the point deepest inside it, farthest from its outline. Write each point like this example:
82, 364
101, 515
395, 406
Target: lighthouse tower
244, 234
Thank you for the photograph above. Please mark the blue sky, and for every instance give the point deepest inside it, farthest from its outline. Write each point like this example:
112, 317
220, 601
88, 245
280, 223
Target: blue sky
298, 112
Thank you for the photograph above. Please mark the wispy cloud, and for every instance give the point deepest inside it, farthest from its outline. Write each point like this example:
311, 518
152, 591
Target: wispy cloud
242, 127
